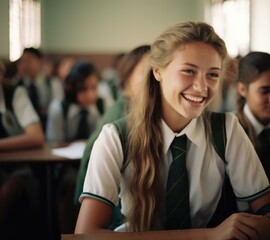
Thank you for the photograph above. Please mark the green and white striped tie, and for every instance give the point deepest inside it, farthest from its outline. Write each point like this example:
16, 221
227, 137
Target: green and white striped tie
177, 192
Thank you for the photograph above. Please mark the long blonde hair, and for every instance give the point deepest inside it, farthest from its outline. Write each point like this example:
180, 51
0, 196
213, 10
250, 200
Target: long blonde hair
145, 151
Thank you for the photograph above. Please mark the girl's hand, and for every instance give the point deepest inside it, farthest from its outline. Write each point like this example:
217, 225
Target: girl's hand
242, 226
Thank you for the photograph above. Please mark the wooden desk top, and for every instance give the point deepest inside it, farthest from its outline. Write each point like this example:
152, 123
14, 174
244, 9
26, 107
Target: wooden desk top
150, 235
154, 235
38, 155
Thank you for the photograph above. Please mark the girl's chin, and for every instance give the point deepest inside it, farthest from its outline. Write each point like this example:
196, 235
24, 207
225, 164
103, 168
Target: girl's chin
191, 114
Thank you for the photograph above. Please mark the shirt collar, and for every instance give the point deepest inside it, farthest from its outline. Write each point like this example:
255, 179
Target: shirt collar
258, 127
191, 130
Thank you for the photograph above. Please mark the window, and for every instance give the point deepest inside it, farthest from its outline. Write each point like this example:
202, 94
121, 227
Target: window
231, 20
24, 26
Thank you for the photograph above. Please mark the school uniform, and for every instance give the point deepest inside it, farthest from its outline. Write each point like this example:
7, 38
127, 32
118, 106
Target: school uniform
41, 92
206, 170
258, 128
116, 111
47, 94
64, 122
47, 88
63, 127
13, 120
23, 114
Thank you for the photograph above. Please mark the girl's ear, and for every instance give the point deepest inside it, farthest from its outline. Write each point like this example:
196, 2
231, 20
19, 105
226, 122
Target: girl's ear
156, 72
242, 89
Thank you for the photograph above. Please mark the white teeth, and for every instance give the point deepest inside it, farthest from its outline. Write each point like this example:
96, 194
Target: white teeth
192, 98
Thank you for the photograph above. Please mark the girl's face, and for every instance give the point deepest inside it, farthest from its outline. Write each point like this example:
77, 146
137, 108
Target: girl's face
257, 95
88, 96
189, 83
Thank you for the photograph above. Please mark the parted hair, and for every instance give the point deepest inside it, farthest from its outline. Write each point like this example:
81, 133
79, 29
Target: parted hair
145, 141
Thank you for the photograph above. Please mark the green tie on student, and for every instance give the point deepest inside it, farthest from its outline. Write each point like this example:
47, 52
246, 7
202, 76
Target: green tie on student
83, 131
177, 193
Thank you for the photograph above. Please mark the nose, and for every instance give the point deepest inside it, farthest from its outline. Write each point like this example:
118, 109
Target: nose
200, 83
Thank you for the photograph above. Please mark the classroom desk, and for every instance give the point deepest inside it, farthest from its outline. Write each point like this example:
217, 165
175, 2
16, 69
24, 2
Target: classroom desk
153, 235
35, 155
45, 161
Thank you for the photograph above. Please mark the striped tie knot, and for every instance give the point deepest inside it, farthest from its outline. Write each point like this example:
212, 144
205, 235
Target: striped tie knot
178, 147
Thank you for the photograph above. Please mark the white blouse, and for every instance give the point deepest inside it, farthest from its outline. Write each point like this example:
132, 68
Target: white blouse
206, 169
23, 111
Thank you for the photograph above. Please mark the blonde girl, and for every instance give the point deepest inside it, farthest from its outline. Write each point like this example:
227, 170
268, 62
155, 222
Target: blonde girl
186, 64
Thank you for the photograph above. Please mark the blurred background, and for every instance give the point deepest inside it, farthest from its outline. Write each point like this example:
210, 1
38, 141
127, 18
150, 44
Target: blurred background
100, 29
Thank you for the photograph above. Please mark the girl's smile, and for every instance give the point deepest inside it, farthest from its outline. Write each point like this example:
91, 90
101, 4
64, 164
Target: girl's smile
188, 83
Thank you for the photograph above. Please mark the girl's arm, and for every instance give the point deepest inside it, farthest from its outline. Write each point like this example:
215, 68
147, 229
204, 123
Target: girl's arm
261, 205
95, 216
32, 137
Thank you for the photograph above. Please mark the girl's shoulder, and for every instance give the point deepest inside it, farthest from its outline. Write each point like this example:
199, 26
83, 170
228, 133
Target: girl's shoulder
231, 117
232, 120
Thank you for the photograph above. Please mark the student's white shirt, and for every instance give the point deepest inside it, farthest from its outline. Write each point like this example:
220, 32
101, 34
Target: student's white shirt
22, 109
57, 91
61, 129
257, 126
206, 169
105, 93
56, 88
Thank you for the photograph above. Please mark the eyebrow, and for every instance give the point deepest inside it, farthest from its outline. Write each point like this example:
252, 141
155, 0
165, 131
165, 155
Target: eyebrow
193, 65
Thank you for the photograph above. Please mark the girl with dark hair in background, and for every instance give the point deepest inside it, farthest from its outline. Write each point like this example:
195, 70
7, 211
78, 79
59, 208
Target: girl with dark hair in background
254, 102
78, 115
73, 119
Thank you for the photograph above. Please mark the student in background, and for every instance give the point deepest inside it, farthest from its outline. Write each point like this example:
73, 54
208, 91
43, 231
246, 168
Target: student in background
131, 72
254, 102
20, 128
19, 123
78, 115
186, 62
73, 119
41, 88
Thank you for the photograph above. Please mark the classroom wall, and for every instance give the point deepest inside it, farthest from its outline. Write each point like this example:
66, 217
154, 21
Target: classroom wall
97, 27
109, 26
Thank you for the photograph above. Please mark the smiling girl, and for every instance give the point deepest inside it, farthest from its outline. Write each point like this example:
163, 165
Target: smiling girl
186, 63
